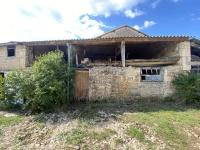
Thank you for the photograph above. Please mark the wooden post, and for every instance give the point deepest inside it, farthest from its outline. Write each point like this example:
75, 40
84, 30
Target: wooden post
69, 54
69, 63
76, 59
123, 53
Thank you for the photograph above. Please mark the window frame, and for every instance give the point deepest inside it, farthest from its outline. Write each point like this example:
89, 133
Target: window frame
152, 74
9, 48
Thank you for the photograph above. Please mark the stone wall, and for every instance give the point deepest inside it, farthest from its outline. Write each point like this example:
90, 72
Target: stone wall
14, 62
185, 53
39, 50
29, 56
167, 49
124, 84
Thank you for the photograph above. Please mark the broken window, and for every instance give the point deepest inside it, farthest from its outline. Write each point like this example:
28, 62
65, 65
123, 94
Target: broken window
151, 74
195, 69
11, 51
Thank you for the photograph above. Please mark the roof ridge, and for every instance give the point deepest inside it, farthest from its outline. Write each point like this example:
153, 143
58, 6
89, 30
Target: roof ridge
120, 28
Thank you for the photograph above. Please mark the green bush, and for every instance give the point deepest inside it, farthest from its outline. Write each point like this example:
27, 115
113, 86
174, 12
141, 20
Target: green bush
45, 86
1, 88
187, 86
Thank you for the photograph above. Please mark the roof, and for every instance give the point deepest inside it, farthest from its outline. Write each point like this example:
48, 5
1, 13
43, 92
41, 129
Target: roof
110, 41
126, 33
195, 43
10, 43
122, 31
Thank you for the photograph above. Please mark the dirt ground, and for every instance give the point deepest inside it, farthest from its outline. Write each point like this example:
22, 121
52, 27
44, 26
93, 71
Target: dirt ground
104, 126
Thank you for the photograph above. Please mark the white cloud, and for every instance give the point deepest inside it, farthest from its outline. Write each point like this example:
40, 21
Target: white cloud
106, 7
137, 27
145, 25
196, 19
155, 3
85, 18
176, 1
131, 14
57, 19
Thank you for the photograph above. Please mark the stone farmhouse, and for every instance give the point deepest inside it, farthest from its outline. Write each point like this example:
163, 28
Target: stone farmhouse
123, 64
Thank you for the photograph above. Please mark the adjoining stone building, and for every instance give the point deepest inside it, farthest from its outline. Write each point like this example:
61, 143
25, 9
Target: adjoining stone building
195, 55
123, 64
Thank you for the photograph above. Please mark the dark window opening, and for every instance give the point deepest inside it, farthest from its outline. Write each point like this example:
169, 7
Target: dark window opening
11, 51
151, 74
143, 78
195, 69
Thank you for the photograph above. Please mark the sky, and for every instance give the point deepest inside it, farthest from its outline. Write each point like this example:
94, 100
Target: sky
36, 20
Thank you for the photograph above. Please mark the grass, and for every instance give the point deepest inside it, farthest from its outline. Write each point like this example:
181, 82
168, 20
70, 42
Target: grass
139, 135
77, 136
133, 132
9, 121
168, 121
118, 141
40, 125
1, 131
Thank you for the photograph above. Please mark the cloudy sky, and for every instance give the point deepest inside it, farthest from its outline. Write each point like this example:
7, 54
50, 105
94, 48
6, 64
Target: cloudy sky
28, 20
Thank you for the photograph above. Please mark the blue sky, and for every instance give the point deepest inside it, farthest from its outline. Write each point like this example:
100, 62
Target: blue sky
35, 20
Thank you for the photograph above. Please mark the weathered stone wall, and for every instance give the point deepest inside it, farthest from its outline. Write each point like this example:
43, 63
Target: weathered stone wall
39, 50
185, 53
29, 56
14, 62
167, 49
124, 84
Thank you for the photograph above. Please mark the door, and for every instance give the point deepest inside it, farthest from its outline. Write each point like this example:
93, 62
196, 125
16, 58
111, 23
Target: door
81, 85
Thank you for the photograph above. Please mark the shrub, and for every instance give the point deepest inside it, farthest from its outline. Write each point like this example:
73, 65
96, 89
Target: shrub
187, 86
1, 88
45, 86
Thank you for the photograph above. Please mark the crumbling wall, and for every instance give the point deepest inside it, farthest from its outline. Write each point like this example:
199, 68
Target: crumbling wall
14, 62
124, 84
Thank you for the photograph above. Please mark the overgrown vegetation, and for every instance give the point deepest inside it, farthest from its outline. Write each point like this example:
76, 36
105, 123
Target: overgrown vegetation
187, 87
44, 86
1, 88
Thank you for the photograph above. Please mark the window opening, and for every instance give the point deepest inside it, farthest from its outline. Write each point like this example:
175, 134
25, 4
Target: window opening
11, 51
151, 74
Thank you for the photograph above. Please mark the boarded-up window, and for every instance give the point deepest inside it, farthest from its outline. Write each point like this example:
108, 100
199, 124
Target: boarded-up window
151, 74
